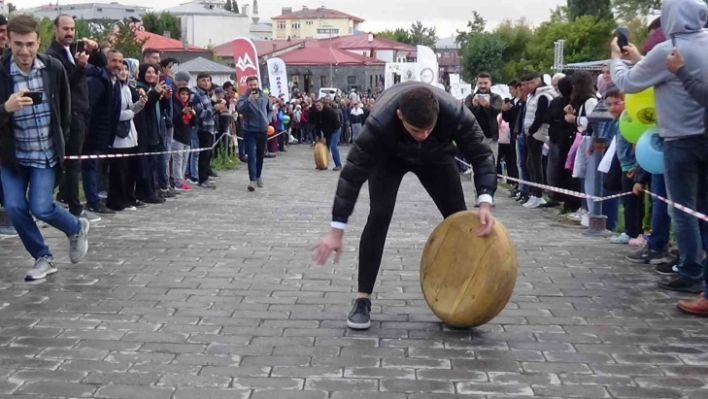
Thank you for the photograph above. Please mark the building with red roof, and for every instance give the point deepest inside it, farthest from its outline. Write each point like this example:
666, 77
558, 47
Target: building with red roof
357, 61
168, 47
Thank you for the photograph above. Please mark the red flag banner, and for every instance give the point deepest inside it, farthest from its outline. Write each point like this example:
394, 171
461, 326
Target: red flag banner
246, 61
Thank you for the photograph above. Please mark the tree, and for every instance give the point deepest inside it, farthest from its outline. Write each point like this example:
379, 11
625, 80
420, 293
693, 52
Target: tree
11, 8
628, 9
228, 6
516, 36
127, 42
586, 39
399, 35
235, 7
474, 26
422, 35
100, 31
597, 8
159, 24
483, 52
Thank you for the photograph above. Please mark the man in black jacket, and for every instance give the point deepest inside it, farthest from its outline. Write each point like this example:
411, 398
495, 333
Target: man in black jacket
410, 129
64, 47
486, 106
34, 117
327, 121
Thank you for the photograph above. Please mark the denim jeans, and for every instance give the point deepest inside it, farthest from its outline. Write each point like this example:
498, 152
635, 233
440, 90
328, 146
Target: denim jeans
356, 130
254, 143
610, 208
686, 175
332, 143
168, 139
194, 156
39, 202
179, 161
89, 176
521, 161
660, 220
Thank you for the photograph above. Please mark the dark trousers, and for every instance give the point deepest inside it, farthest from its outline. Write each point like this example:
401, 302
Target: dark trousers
633, 208
534, 164
507, 153
69, 186
121, 180
145, 187
206, 140
442, 182
254, 144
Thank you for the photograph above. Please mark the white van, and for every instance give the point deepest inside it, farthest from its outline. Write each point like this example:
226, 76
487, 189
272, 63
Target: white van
328, 91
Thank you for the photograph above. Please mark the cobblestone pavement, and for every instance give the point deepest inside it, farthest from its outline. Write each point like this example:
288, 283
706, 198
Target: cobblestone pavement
214, 296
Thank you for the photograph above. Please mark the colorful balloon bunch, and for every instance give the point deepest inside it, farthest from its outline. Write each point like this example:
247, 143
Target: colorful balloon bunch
638, 126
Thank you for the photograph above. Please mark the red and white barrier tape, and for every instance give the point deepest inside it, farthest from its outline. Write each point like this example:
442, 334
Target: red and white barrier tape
680, 207
140, 154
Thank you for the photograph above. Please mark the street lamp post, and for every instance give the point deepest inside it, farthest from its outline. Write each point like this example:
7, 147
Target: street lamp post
598, 222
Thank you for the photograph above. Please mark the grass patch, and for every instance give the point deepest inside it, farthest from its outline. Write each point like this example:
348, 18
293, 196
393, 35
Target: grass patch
226, 159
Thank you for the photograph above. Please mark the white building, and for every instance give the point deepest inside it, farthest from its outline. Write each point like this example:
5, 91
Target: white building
89, 11
4, 9
259, 30
206, 23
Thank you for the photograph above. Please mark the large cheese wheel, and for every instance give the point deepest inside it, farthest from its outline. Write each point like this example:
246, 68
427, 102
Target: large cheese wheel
321, 156
467, 280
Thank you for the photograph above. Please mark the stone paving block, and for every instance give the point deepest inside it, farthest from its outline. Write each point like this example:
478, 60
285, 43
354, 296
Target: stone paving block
233, 307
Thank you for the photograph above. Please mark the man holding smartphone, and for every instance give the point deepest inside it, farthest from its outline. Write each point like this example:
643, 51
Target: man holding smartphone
76, 56
486, 106
34, 118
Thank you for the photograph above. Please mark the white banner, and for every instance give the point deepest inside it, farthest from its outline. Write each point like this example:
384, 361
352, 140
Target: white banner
278, 78
427, 65
409, 71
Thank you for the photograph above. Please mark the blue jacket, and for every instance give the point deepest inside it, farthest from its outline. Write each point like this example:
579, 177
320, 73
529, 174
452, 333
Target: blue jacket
255, 114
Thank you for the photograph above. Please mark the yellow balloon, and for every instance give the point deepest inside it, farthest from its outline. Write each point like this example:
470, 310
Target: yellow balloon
641, 107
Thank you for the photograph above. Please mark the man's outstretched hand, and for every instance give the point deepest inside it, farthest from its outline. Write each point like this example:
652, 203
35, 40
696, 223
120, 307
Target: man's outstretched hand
332, 242
487, 220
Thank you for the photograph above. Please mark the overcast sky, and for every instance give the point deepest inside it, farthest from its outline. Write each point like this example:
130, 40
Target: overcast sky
446, 15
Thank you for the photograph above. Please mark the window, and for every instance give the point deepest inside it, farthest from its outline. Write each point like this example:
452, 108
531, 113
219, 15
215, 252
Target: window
281, 25
351, 80
323, 81
129, 10
99, 9
295, 25
309, 23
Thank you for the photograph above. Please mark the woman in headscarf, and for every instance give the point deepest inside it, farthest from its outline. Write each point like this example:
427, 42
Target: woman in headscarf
121, 176
148, 124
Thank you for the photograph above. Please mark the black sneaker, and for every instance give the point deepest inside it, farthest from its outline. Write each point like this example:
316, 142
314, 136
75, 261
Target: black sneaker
668, 269
358, 318
659, 258
100, 209
680, 283
639, 255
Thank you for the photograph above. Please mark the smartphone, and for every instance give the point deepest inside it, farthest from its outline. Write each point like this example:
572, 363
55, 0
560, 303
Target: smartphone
168, 81
622, 37
36, 96
507, 100
162, 78
80, 46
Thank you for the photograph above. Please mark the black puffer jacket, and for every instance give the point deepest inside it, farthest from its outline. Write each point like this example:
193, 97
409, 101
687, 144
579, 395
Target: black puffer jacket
384, 137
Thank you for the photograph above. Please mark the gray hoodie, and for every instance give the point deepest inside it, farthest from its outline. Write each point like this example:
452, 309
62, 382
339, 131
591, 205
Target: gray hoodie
678, 114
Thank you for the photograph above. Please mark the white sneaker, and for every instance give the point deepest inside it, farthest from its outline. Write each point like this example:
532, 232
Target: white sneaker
532, 202
585, 221
539, 202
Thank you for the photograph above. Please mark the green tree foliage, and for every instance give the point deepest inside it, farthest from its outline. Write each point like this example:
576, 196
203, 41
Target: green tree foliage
127, 42
517, 37
638, 31
400, 35
475, 26
159, 24
629, 9
423, 35
483, 52
596, 8
234, 7
586, 39
46, 33
228, 6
